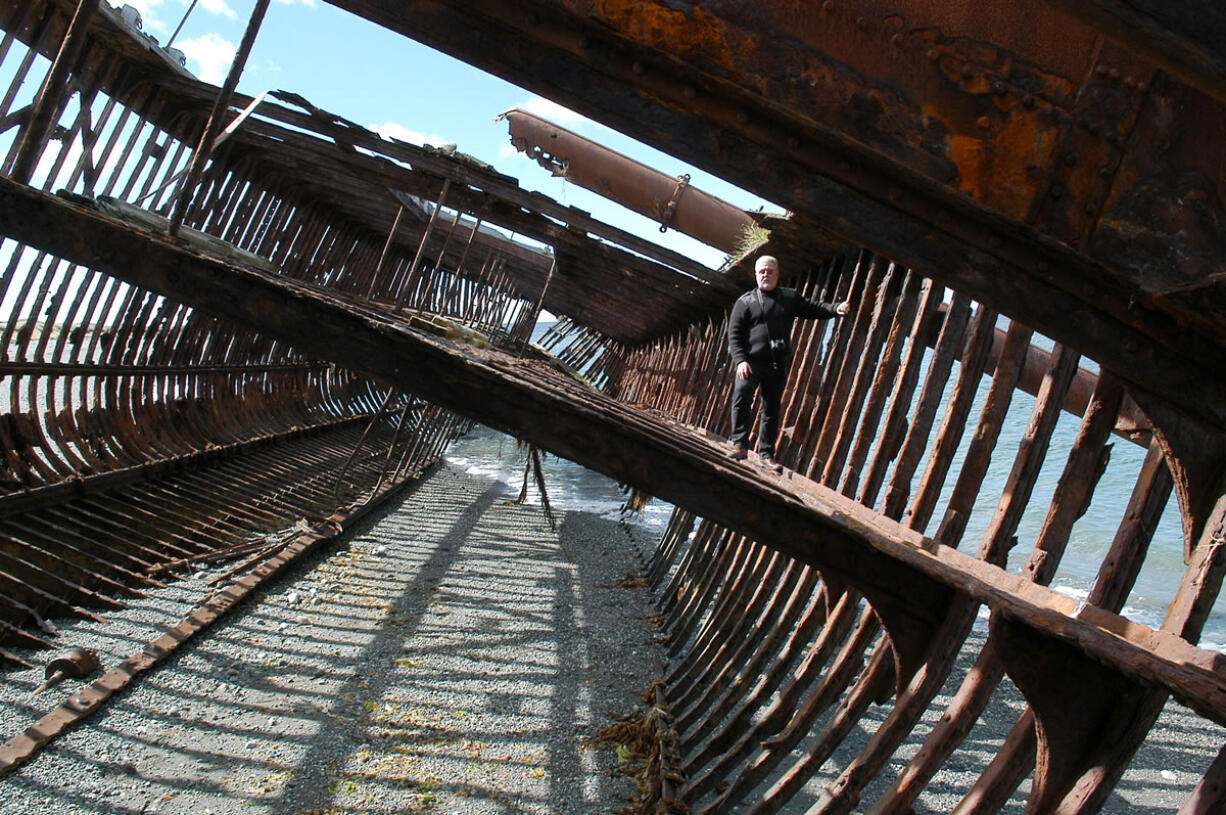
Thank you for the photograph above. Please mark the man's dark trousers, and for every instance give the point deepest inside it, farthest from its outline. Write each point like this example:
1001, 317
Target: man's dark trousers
770, 379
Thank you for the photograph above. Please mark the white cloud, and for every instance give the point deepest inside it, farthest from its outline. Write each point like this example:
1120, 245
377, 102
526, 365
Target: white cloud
393, 130
209, 56
218, 7
540, 106
150, 13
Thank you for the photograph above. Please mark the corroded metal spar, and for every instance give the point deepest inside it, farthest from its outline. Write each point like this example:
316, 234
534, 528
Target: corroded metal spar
671, 201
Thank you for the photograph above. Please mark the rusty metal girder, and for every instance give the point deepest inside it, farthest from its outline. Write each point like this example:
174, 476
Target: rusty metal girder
1010, 151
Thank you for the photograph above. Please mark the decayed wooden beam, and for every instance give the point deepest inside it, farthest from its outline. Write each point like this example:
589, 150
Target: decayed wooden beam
794, 516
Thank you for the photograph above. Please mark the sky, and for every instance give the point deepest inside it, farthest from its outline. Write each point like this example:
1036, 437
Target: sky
405, 90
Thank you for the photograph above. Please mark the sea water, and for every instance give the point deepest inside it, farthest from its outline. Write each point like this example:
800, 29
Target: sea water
571, 487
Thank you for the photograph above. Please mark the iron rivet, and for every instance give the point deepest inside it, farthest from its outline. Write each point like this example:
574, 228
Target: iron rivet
1101, 70
1056, 191
933, 55
1070, 159
983, 123
1028, 101
1141, 86
896, 40
1104, 170
861, 23
1129, 82
828, 6
1114, 73
998, 88
637, 68
967, 72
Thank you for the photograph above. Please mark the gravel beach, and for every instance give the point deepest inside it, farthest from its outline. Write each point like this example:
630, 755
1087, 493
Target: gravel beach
452, 654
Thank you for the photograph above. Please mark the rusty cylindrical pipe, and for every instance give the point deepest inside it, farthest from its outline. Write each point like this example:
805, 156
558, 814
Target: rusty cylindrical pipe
634, 185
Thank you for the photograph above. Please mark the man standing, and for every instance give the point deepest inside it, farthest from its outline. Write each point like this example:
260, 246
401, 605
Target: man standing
758, 332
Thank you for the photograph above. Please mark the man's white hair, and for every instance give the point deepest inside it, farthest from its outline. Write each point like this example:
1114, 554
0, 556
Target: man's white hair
762, 261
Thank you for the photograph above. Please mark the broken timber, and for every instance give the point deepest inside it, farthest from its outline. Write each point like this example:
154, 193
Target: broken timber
839, 535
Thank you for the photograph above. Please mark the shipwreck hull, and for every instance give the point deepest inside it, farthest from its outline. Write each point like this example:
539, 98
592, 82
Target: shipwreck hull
224, 355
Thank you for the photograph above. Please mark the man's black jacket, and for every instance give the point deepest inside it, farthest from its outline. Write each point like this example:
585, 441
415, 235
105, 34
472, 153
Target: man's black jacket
759, 316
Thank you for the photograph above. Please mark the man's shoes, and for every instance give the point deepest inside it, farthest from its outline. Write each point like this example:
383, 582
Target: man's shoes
769, 463
738, 453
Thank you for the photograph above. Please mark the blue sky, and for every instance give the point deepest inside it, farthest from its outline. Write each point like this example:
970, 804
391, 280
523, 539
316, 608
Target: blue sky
403, 89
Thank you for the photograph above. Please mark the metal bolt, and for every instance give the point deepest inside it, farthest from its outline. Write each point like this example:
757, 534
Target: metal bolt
998, 88
862, 23
1141, 86
896, 40
968, 72
1114, 73
983, 123
828, 6
933, 55
1028, 101
1101, 70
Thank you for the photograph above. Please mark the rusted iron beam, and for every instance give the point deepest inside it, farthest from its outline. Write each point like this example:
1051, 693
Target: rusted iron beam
802, 520
209, 138
1186, 38
53, 92
839, 126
